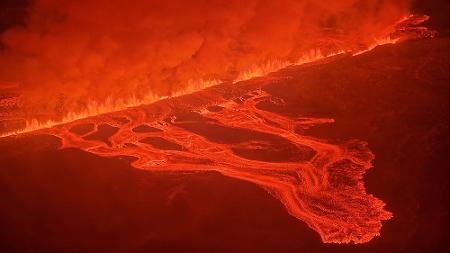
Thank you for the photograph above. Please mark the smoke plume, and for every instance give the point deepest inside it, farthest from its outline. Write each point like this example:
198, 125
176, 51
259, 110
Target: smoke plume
71, 52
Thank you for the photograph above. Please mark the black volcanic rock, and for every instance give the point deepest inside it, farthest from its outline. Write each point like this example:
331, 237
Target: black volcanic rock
396, 98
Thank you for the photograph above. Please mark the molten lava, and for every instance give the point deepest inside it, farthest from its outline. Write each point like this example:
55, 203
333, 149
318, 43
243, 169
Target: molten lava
221, 129
405, 28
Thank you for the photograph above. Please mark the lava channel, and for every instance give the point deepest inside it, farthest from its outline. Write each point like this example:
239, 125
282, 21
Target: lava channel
221, 129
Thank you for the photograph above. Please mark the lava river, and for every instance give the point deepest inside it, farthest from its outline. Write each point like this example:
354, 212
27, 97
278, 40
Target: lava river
223, 129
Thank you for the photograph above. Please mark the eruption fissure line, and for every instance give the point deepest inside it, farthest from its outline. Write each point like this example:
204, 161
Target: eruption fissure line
106, 57
224, 129
253, 71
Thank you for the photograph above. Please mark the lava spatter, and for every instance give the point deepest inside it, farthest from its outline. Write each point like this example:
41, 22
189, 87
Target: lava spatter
318, 182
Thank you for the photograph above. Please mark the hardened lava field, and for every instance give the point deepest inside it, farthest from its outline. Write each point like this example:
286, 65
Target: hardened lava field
224, 126
318, 182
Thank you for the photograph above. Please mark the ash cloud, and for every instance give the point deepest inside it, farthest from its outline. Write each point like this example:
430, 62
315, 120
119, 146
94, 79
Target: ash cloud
70, 52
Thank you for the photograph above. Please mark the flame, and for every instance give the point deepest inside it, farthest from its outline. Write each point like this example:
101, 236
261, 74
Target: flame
386, 38
378, 42
111, 105
256, 70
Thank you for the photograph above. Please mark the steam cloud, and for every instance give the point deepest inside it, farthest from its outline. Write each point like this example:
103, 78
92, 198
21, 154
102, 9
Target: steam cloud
71, 52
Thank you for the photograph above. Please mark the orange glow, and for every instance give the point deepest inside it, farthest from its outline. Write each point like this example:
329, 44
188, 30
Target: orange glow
256, 70
378, 42
110, 105
241, 141
259, 70
94, 108
72, 57
109, 89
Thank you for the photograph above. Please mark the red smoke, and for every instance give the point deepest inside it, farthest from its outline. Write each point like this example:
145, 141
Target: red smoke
72, 52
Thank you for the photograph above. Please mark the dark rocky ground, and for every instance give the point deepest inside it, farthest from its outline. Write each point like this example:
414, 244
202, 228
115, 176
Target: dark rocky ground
396, 98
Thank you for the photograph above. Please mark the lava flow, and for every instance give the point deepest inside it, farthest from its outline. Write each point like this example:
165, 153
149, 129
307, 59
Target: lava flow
221, 129
201, 128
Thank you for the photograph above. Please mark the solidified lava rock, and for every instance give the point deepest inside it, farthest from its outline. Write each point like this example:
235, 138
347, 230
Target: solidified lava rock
318, 178
146, 129
82, 129
103, 133
161, 143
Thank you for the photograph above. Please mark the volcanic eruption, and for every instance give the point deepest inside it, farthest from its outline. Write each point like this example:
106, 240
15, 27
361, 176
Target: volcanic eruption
93, 57
244, 89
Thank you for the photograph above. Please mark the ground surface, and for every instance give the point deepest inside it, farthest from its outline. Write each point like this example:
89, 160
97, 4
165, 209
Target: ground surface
395, 98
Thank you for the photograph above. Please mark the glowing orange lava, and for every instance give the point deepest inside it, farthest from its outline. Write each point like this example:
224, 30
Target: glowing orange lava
221, 129
110, 105
93, 108
318, 182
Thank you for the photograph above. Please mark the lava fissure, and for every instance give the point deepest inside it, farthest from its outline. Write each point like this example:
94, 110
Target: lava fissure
318, 182
222, 129
404, 29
